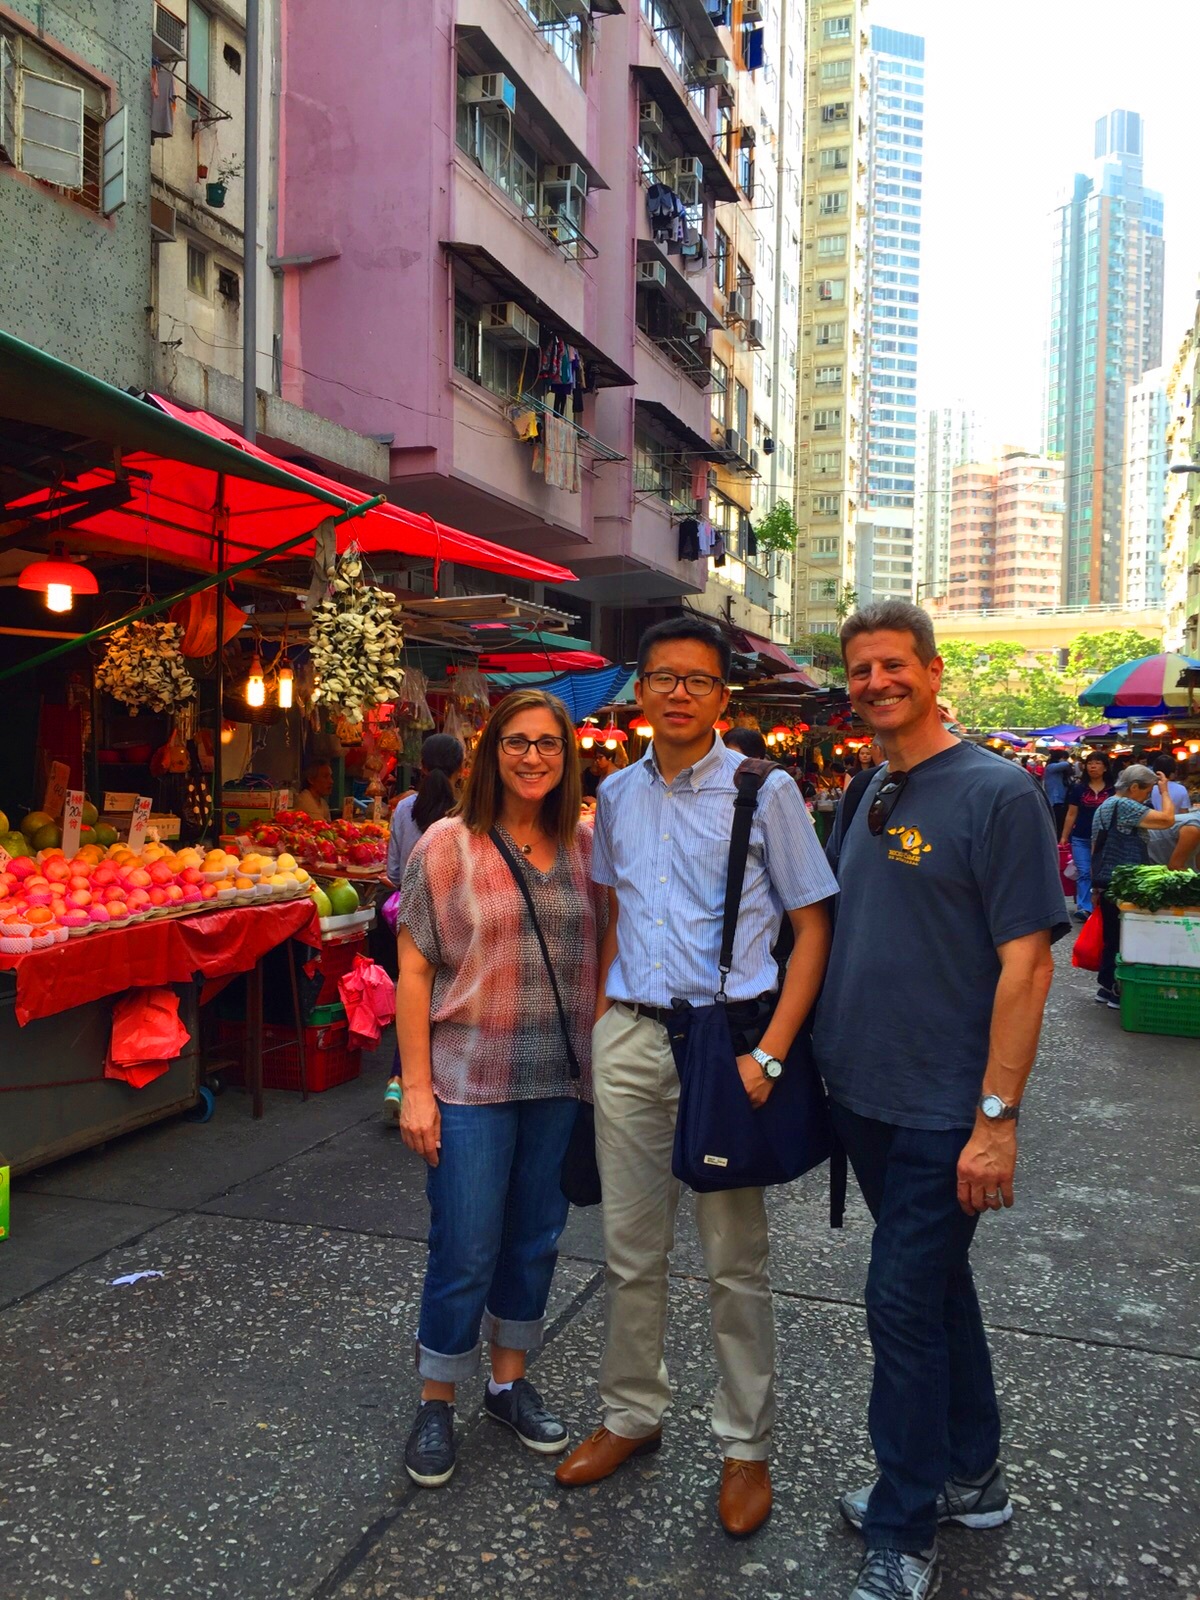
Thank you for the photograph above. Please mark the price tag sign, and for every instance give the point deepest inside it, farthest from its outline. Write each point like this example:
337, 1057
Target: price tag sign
56, 788
141, 821
285, 800
377, 810
72, 823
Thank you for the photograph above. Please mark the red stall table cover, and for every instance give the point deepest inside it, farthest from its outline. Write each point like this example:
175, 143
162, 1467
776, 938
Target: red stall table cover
216, 944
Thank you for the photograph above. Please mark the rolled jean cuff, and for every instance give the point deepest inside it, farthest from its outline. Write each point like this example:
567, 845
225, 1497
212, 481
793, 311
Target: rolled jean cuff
907, 1544
438, 1368
512, 1335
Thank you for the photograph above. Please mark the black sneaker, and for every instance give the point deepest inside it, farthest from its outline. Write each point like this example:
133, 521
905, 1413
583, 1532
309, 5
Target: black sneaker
429, 1453
521, 1408
1106, 997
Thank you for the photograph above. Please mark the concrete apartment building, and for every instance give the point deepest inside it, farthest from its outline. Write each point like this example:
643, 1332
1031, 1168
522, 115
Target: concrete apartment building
1006, 531
947, 436
1105, 334
1181, 507
1145, 490
885, 560
832, 310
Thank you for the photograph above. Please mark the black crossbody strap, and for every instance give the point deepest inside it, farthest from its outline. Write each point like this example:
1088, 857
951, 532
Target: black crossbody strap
748, 779
519, 879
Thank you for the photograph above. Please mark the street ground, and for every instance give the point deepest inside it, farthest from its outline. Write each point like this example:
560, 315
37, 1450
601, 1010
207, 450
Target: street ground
235, 1428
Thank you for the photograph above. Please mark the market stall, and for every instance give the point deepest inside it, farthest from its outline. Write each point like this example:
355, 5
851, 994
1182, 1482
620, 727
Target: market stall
122, 920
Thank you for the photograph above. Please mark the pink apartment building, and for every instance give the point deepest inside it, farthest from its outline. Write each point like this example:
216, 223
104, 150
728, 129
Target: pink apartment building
464, 191
1006, 533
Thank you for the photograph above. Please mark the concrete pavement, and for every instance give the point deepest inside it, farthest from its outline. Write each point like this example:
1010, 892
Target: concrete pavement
235, 1427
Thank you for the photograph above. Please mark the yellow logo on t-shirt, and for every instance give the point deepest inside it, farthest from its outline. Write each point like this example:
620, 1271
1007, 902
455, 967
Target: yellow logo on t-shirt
911, 847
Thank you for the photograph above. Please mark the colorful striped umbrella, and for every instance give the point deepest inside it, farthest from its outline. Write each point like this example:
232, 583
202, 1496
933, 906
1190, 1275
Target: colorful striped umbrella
1142, 688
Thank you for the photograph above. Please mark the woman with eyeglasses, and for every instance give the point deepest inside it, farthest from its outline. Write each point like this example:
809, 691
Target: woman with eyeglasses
489, 1098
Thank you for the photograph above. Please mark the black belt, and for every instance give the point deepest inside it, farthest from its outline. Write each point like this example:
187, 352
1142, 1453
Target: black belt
739, 1010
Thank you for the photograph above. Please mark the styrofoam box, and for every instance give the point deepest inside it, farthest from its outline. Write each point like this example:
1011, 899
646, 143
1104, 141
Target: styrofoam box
1160, 941
351, 922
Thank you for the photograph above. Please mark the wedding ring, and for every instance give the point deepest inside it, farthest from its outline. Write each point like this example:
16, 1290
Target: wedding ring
995, 1196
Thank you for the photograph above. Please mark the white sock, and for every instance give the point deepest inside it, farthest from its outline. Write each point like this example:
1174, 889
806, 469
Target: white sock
497, 1388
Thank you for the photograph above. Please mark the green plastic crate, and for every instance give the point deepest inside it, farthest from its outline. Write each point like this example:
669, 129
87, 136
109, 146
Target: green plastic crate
322, 1016
1160, 999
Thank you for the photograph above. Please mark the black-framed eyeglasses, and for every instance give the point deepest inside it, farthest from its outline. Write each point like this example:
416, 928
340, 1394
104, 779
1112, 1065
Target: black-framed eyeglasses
884, 803
697, 684
516, 744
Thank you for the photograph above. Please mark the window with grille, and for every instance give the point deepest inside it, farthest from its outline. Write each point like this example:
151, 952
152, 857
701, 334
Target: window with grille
55, 126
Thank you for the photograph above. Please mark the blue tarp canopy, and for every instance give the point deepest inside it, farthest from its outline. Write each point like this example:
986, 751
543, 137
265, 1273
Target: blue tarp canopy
583, 693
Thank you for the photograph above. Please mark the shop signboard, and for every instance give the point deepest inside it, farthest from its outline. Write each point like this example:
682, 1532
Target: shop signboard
140, 822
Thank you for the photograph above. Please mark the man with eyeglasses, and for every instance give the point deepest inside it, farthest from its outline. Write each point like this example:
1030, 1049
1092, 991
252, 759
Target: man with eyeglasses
662, 849
925, 1034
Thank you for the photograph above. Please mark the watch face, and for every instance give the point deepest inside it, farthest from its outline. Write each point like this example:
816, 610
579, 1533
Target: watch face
773, 1069
991, 1105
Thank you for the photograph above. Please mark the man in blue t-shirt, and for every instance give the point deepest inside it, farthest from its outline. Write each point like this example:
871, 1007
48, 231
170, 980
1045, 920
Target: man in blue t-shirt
925, 1033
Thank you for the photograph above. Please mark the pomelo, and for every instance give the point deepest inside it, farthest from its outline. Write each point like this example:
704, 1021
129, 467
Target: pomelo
3, 823
34, 822
324, 909
16, 844
343, 897
105, 834
90, 815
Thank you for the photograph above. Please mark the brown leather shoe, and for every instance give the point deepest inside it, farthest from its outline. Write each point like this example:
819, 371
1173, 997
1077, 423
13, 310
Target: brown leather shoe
745, 1502
601, 1454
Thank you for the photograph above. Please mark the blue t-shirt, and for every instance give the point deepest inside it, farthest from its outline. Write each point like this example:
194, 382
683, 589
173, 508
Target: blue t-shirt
967, 861
1055, 780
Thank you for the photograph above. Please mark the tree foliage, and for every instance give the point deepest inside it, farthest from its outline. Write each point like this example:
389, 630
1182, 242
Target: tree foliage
994, 685
1093, 654
777, 530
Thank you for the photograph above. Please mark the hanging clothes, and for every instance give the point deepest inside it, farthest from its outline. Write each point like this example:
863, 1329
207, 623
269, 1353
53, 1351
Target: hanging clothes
162, 102
557, 456
718, 550
667, 214
707, 537
689, 539
749, 537
699, 479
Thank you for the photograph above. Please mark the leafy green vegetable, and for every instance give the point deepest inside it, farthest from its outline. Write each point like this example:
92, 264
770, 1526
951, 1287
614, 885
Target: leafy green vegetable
1152, 887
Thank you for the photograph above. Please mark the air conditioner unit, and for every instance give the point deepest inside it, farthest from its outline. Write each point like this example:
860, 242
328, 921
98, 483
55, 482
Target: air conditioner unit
561, 178
735, 306
162, 221
717, 70
168, 39
734, 442
747, 137
689, 167
754, 461
650, 117
653, 274
752, 12
743, 449
509, 323
696, 323
754, 333
576, 8
488, 89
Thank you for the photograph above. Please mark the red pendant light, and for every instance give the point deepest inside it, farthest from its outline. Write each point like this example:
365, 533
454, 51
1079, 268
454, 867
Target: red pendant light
612, 736
58, 579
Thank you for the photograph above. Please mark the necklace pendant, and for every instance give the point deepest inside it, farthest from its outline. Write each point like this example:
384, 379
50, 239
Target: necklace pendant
526, 849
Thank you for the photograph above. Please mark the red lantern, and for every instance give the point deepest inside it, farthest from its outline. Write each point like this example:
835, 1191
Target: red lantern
58, 579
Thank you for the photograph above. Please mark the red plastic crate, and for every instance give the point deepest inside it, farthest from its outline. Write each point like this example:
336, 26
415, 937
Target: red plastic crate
328, 1058
333, 962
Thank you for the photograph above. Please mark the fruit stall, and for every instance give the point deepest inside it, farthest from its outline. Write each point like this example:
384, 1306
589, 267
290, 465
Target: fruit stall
199, 589
1159, 965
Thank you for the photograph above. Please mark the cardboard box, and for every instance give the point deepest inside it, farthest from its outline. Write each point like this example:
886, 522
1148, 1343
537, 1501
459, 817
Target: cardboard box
169, 827
116, 801
251, 799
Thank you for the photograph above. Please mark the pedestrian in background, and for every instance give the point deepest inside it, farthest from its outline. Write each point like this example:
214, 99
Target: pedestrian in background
489, 1102
950, 898
749, 742
442, 758
1055, 780
1168, 766
662, 847
1118, 840
1075, 830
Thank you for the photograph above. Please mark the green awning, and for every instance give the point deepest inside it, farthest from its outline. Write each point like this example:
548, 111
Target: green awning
37, 390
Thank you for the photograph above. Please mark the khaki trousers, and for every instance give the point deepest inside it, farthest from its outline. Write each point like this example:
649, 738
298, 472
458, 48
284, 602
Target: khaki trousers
636, 1090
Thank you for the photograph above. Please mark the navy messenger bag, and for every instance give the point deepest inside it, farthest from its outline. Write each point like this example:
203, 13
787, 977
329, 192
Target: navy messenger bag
721, 1140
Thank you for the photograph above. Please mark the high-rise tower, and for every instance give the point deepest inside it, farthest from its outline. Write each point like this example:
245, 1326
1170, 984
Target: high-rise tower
1105, 333
884, 555
947, 437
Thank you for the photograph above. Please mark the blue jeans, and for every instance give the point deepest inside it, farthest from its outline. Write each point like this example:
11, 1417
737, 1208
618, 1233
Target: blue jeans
933, 1411
496, 1213
1081, 854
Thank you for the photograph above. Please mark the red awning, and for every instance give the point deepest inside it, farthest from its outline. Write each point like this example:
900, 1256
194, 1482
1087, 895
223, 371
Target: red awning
543, 661
171, 515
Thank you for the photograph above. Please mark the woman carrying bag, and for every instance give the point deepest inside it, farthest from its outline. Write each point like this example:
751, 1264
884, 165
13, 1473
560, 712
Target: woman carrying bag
490, 1099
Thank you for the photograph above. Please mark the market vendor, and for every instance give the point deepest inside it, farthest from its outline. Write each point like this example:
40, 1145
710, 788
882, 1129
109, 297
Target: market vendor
313, 799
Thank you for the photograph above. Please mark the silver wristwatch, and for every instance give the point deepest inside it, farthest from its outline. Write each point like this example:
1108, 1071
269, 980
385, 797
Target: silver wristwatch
997, 1110
771, 1067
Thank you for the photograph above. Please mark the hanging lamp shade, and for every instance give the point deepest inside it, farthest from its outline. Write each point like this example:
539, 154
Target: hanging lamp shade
58, 579
612, 736
645, 731
720, 727
781, 732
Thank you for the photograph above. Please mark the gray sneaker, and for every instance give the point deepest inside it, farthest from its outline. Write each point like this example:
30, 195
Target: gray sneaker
983, 1503
889, 1575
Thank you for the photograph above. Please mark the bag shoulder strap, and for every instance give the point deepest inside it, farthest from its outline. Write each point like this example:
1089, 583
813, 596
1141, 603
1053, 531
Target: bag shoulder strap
519, 879
748, 780
852, 798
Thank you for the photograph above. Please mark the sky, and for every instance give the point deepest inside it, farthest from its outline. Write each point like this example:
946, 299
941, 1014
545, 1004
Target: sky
1013, 91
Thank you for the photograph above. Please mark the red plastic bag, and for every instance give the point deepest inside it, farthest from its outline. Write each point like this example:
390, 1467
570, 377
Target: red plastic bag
1089, 947
1066, 869
369, 997
147, 1035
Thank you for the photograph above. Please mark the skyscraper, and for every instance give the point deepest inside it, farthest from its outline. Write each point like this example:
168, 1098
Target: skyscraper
1105, 333
1145, 491
884, 554
946, 438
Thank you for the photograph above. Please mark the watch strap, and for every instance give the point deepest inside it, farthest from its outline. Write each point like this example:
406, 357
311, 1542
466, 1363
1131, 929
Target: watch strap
1008, 1114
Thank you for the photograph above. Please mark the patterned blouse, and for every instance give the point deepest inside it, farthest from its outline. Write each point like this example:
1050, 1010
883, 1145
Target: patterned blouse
495, 1033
